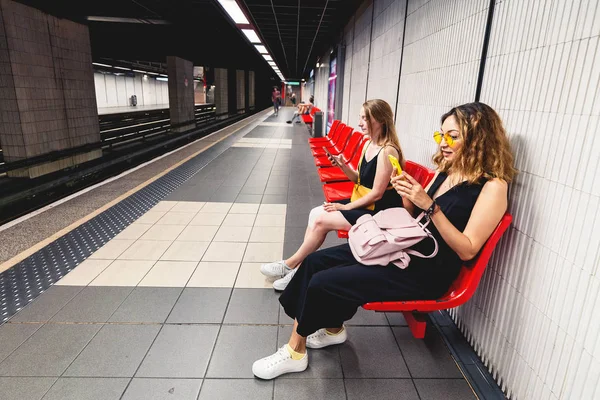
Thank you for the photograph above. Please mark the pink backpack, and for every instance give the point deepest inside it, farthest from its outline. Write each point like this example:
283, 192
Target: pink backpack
384, 238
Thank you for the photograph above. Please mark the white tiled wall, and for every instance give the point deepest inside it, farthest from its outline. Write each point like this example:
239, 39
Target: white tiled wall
386, 50
442, 51
115, 90
535, 319
360, 60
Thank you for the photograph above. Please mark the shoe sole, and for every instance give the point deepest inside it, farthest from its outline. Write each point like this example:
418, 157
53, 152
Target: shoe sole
285, 371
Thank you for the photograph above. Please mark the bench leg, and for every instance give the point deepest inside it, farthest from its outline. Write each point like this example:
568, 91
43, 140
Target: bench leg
417, 322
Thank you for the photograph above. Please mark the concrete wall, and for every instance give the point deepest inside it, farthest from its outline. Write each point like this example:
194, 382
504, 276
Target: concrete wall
181, 93
534, 319
221, 94
47, 99
240, 82
251, 89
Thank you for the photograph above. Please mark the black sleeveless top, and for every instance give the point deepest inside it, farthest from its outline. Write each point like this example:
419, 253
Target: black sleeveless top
367, 172
438, 273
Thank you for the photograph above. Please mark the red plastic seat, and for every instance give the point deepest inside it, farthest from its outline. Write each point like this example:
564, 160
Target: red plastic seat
331, 138
422, 174
353, 142
308, 118
460, 292
335, 174
337, 148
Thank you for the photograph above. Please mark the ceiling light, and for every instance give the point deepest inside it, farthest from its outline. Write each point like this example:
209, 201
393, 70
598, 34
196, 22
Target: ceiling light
160, 78
261, 49
235, 12
267, 57
137, 70
126, 69
251, 35
101, 65
272, 63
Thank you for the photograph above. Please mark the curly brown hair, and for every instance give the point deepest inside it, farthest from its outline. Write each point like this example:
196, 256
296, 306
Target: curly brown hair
485, 153
382, 112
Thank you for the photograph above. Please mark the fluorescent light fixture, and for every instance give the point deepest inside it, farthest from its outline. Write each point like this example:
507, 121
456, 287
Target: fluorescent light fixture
261, 49
152, 73
267, 57
317, 65
251, 35
126, 69
102, 65
160, 78
137, 70
234, 11
272, 63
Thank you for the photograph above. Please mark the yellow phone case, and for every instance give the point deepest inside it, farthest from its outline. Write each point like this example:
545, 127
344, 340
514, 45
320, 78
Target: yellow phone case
395, 163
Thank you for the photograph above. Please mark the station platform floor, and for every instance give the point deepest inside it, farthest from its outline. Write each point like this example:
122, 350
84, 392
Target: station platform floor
148, 287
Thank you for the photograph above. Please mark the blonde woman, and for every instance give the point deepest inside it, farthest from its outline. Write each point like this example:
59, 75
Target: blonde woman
465, 202
376, 120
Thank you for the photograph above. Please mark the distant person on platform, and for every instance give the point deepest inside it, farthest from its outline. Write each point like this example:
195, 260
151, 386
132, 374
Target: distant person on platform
276, 98
293, 99
303, 109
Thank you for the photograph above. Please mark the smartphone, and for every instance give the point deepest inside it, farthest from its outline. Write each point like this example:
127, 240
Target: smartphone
327, 152
395, 163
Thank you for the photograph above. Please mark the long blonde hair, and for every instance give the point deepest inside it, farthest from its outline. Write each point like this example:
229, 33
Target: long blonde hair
381, 112
485, 152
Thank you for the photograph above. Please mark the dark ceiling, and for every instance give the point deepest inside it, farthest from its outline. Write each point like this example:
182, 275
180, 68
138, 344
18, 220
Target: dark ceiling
295, 32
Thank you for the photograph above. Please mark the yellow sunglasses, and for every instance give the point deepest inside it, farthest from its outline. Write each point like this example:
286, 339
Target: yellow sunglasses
437, 136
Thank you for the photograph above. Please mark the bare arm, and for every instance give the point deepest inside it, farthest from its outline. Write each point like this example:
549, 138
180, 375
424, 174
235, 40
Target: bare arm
381, 182
487, 213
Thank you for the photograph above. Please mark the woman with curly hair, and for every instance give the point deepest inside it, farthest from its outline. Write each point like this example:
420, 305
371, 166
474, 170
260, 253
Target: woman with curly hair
465, 202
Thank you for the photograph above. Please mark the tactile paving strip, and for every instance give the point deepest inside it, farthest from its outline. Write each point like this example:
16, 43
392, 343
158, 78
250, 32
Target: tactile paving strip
29, 278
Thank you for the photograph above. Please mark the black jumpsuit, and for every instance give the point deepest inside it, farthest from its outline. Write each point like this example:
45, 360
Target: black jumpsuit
330, 284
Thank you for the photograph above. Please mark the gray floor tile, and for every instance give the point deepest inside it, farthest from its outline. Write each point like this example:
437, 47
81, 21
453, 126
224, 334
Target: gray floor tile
12, 335
227, 389
116, 351
87, 389
227, 197
447, 389
180, 351
274, 199
147, 304
93, 304
396, 318
369, 318
296, 220
253, 306
238, 347
372, 352
323, 363
47, 304
200, 305
276, 190
426, 358
309, 389
283, 317
163, 389
24, 388
189, 193
296, 234
257, 189
290, 247
249, 198
381, 389
49, 351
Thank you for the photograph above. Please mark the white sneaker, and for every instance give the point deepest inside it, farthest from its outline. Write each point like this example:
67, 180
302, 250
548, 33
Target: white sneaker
277, 269
278, 364
281, 284
321, 339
